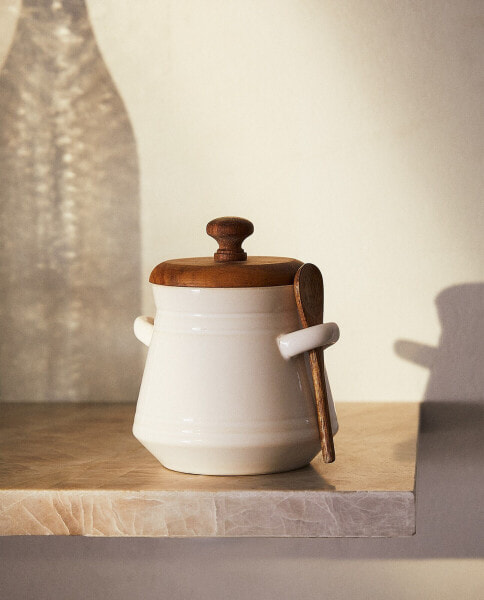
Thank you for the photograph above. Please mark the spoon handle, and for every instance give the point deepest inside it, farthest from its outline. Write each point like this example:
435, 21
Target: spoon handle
316, 361
309, 293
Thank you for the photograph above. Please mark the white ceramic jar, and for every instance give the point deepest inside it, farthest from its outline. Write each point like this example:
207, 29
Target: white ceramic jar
225, 389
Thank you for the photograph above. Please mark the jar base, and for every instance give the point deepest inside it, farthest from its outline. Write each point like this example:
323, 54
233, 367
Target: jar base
232, 461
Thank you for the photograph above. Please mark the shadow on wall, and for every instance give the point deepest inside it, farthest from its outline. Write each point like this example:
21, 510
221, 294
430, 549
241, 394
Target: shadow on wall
69, 221
457, 364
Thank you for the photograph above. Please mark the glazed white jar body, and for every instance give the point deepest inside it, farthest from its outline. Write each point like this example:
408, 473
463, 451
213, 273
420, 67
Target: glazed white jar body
217, 397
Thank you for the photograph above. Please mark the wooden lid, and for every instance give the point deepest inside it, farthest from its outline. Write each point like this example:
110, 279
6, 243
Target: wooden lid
229, 266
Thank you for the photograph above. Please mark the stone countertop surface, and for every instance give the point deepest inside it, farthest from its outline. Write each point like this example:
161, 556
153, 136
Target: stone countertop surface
76, 469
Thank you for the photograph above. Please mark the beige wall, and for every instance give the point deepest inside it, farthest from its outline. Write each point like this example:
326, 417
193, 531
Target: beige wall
350, 132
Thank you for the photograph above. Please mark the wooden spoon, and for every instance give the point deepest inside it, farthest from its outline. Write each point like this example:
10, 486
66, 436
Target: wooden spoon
309, 292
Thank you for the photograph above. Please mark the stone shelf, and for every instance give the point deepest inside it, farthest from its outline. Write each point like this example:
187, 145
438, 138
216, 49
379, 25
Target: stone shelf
76, 469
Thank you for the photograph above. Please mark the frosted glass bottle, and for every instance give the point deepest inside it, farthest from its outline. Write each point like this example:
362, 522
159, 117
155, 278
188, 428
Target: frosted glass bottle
69, 216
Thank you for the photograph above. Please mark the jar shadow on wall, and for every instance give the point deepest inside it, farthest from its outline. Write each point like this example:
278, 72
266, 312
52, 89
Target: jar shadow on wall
456, 365
70, 248
450, 447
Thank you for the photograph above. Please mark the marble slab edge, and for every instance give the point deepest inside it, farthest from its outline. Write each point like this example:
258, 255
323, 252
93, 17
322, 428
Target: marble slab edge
110, 513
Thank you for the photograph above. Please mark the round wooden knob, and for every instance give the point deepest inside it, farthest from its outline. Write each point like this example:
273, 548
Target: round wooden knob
230, 232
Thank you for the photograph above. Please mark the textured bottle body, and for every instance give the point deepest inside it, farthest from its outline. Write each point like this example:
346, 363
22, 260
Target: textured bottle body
69, 219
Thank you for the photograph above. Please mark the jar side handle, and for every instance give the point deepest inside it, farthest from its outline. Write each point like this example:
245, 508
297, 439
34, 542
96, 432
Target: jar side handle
143, 329
303, 340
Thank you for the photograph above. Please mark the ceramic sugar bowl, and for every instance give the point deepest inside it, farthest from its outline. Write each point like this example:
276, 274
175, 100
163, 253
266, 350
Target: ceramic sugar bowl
226, 388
